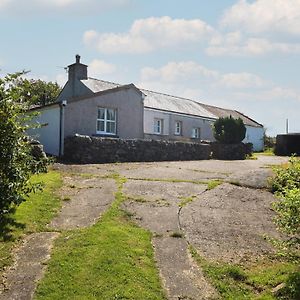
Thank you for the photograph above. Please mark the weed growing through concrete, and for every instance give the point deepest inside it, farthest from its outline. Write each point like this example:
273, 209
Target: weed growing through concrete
213, 184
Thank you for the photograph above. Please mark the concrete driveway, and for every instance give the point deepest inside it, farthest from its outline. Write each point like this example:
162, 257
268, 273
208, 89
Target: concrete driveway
221, 208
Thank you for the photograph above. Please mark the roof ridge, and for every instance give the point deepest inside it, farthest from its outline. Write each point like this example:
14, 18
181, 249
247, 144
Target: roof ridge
219, 107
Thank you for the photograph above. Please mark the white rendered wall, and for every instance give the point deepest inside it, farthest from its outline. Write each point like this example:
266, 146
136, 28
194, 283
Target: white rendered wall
255, 135
48, 135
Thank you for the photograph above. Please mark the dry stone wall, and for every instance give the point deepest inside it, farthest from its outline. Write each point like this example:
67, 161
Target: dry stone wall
230, 151
86, 149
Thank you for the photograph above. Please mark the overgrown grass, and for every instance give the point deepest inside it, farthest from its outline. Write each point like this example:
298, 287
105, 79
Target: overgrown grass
112, 259
257, 281
31, 216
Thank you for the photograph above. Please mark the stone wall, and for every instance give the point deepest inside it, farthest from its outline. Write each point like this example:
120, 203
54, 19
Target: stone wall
230, 151
86, 149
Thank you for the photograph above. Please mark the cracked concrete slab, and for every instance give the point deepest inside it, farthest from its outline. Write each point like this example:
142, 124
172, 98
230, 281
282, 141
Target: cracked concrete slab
181, 276
87, 200
229, 223
30, 258
257, 178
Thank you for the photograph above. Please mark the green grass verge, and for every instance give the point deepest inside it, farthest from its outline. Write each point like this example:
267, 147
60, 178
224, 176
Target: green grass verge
31, 216
255, 281
112, 259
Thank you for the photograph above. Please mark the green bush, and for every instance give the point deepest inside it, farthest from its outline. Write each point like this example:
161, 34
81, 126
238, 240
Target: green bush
288, 211
286, 177
286, 186
16, 161
229, 130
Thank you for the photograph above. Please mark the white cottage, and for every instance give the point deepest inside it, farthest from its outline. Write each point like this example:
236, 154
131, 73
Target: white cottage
95, 107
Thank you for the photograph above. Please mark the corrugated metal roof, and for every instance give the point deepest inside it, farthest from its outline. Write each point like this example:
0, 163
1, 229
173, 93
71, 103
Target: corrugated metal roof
170, 103
175, 104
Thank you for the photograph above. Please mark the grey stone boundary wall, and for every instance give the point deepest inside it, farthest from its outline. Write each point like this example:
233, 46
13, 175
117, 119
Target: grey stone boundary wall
231, 151
85, 149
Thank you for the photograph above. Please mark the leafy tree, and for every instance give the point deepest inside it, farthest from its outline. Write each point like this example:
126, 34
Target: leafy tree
16, 161
229, 130
37, 92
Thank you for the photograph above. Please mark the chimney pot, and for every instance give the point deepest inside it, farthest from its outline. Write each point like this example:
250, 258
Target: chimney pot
77, 59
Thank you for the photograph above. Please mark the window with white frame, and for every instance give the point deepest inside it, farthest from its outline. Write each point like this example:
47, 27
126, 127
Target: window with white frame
178, 128
106, 121
196, 133
158, 126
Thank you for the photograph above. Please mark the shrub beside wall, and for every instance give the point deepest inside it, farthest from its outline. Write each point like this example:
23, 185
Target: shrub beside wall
86, 149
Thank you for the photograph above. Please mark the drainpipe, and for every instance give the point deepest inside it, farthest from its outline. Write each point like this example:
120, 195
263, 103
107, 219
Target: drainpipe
62, 127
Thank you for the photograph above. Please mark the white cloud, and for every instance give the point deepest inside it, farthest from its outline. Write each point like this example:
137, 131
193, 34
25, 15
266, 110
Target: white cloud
77, 7
258, 28
242, 80
191, 73
176, 71
146, 35
264, 16
97, 68
233, 44
258, 98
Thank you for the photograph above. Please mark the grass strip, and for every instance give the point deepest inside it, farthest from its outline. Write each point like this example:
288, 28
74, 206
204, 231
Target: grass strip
113, 259
258, 281
31, 216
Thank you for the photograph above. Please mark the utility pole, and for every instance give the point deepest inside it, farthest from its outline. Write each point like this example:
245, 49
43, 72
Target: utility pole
287, 126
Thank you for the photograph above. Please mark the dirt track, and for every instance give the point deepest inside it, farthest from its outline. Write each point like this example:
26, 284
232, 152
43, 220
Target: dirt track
171, 200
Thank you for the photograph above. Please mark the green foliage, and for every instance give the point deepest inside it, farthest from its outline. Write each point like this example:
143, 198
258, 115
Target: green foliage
286, 176
229, 130
16, 161
288, 211
42, 92
36, 92
286, 185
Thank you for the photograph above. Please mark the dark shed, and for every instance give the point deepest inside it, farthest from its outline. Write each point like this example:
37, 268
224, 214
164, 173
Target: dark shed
287, 144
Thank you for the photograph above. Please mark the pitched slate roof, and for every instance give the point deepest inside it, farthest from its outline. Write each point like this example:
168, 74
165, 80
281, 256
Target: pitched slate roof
160, 101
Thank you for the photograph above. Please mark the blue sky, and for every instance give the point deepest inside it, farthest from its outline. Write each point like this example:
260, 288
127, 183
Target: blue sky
236, 54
